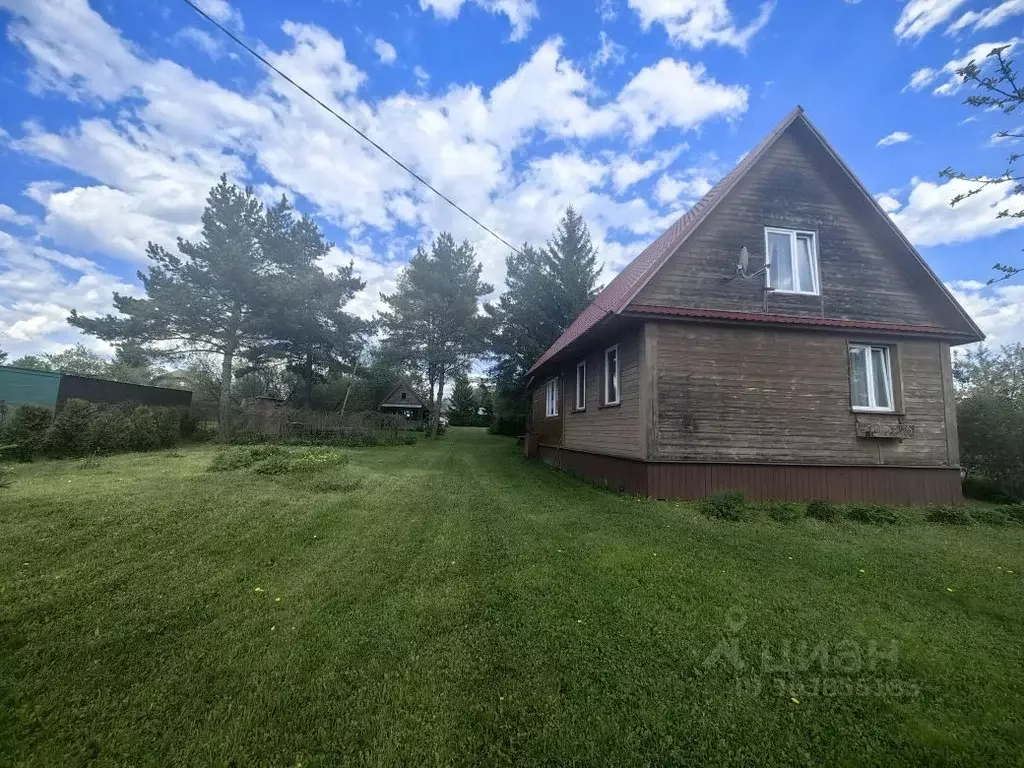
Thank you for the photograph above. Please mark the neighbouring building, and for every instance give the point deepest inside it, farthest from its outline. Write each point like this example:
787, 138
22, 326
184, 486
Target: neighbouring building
783, 338
24, 386
405, 403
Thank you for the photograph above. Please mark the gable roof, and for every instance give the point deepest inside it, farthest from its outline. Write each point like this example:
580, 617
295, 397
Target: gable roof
403, 386
618, 294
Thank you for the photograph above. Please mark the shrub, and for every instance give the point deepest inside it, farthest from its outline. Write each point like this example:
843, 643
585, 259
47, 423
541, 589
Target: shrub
783, 511
144, 435
27, 431
990, 516
727, 505
982, 489
1015, 512
823, 510
242, 457
874, 514
110, 431
168, 426
275, 465
71, 430
409, 438
949, 514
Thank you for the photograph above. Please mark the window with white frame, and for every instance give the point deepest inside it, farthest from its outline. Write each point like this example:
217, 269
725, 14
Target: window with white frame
611, 375
581, 385
871, 378
551, 399
792, 261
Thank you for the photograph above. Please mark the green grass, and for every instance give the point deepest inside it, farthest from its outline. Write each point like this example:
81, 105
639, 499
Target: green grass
450, 602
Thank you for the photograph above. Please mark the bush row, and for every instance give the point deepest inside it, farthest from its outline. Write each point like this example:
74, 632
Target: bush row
81, 428
731, 505
352, 439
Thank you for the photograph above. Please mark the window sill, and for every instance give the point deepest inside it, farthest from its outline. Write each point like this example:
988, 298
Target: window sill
878, 411
609, 405
795, 293
579, 410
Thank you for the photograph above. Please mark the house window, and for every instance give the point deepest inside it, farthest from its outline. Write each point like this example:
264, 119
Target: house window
403, 395
870, 378
611, 375
581, 385
552, 398
792, 261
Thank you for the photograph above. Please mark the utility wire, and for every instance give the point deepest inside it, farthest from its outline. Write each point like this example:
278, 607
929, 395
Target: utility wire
366, 138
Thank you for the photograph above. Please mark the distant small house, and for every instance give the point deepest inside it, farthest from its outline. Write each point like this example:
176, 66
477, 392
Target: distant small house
26, 386
403, 401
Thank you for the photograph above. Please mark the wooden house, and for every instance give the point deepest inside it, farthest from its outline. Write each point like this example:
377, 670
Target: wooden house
783, 338
404, 402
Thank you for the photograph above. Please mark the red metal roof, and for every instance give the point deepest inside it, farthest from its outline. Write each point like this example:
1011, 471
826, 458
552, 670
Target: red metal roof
615, 297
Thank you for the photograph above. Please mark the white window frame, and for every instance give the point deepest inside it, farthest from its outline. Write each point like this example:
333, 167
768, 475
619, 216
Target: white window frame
581, 384
551, 398
618, 368
872, 407
793, 235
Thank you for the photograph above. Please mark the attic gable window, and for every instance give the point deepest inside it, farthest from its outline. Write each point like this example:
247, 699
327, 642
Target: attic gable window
792, 260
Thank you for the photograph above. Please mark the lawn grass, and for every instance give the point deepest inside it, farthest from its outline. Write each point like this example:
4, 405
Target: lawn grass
459, 604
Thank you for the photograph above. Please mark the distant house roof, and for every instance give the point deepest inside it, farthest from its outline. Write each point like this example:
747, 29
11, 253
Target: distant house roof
618, 294
403, 396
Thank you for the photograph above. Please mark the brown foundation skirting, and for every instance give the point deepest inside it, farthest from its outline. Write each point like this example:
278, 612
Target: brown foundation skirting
791, 482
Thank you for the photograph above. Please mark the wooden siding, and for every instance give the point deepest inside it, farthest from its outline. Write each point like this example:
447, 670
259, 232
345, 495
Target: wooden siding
750, 394
614, 430
865, 272
677, 480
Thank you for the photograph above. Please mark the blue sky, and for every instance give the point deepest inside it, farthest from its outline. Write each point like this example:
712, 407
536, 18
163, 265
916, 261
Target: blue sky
118, 115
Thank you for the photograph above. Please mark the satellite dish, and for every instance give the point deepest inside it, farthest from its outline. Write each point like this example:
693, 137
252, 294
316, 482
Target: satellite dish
744, 259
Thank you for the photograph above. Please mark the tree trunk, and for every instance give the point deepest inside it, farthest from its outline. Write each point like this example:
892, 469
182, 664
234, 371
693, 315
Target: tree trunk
224, 408
435, 416
309, 381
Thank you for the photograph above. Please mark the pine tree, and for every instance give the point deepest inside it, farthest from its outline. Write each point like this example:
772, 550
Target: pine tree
545, 292
432, 322
462, 407
211, 299
306, 327
486, 404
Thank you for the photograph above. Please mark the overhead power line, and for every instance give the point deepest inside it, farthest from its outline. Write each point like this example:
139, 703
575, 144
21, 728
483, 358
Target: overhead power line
362, 135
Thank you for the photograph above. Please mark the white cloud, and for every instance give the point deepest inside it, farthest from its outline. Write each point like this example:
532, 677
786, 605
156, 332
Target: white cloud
39, 287
998, 309
952, 81
606, 10
690, 185
514, 154
519, 12
896, 137
9, 214
610, 52
627, 170
921, 78
927, 218
699, 22
202, 40
987, 17
222, 11
385, 51
421, 75
919, 17
676, 94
